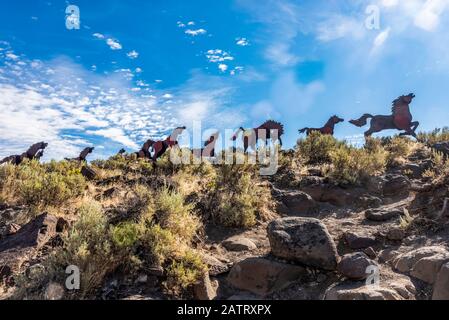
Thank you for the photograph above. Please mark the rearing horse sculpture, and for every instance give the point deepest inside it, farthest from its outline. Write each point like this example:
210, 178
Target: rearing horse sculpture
327, 129
251, 136
401, 119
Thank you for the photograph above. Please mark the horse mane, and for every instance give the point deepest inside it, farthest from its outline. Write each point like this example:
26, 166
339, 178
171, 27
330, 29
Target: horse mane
273, 125
397, 103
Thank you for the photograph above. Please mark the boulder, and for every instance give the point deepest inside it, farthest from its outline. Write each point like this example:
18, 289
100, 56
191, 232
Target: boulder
359, 241
239, 244
204, 290
303, 240
427, 268
334, 195
405, 262
354, 266
398, 289
298, 203
88, 173
380, 215
216, 267
441, 287
262, 276
396, 234
396, 185
369, 202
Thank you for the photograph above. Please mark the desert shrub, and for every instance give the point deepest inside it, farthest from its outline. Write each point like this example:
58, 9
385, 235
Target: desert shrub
124, 164
161, 244
436, 136
185, 271
439, 168
399, 148
42, 185
238, 198
316, 148
173, 214
352, 166
87, 246
126, 234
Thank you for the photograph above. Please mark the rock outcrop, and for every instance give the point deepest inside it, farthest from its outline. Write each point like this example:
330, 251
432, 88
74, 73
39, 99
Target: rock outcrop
262, 276
303, 240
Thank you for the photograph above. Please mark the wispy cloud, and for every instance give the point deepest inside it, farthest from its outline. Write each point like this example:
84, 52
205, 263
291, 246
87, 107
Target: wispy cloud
62, 103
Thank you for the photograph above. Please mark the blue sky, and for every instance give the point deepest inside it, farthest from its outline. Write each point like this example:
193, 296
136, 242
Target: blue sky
136, 69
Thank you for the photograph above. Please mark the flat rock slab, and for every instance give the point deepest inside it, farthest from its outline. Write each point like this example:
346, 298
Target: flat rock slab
381, 215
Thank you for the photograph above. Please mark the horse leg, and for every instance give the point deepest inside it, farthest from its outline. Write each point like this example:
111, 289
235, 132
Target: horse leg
415, 126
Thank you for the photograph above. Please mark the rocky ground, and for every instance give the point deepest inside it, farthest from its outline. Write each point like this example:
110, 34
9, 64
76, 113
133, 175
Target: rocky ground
318, 244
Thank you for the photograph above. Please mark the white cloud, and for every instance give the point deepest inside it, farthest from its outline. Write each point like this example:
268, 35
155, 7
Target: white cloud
243, 42
280, 54
114, 44
98, 35
12, 56
62, 103
196, 32
380, 40
428, 17
340, 26
115, 134
223, 67
133, 54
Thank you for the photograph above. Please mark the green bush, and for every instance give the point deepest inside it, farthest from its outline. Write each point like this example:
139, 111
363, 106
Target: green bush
316, 148
238, 198
42, 185
173, 214
436, 136
126, 234
352, 166
185, 271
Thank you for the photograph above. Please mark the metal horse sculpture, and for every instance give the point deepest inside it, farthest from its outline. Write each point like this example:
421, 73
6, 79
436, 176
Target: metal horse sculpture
83, 155
327, 129
251, 136
209, 147
401, 119
160, 147
36, 151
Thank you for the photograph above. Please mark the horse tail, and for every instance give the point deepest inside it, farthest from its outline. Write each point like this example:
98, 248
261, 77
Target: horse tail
303, 130
362, 120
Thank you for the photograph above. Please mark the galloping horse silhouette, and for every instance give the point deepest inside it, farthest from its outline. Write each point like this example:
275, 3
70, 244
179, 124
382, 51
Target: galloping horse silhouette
36, 151
401, 119
327, 129
251, 136
83, 155
160, 147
